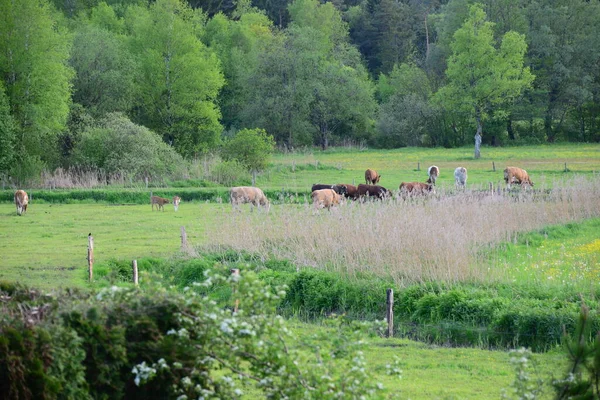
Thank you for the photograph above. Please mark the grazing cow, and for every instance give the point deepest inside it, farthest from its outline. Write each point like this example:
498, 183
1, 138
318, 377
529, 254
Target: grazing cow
433, 173
415, 188
21, 201
373, 191
176, 201
460, 177
248, 194
371, 177
350, 192
339, 189
516, 175
159, 202
325, 198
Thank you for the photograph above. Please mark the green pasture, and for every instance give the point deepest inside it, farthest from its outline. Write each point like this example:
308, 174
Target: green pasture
544, 163
434, 372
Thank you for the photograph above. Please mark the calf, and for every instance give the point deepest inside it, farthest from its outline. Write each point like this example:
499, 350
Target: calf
415, 188
373, 191
159, 202
460, 177
248, 194
176, 201
350, 192
325, 198
433, 173
516, 175
21, 201
371, 177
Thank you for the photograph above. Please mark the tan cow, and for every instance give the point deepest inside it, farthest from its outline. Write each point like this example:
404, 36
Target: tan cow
325, 198
415, 188
248, 194
176, 201
159, 202
433, 172
371, 177
516, 175
21, 201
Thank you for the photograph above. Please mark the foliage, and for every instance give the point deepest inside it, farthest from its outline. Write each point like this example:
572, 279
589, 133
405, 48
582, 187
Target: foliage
117, 145
524, 386
230, 173
7, 134
250, 148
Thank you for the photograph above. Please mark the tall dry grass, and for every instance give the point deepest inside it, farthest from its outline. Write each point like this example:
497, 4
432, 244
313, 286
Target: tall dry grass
442, 238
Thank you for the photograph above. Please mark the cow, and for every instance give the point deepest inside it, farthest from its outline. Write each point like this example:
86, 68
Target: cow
176, 201
325, 198
339, 189
516, 175
21, 201
350, 191
460, 177
415, 188
159, 202
248, 194
371, 177
433, 172
373, 191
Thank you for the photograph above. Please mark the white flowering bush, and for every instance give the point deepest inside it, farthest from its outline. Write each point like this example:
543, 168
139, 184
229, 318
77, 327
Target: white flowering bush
525, 386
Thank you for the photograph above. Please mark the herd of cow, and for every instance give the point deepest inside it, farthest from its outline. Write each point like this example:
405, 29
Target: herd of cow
327, 196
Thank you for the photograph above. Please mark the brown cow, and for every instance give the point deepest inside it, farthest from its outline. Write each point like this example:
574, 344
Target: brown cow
248, 194
339, 189
433, 173
21, 201
371, 177
159, 201
325, 198
373, 191
516, 175
351, 191
415, 188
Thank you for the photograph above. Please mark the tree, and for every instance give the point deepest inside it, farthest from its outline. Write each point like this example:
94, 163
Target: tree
251, 148
482, 79
7, 134
34, 50
180, 78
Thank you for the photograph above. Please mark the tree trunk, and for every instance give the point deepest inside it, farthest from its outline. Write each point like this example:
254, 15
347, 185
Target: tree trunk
478, 135
253, 177
324, 136
509, 128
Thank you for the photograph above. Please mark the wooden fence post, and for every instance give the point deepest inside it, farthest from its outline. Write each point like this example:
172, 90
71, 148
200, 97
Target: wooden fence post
184, 245
235, 272
418, 166
390, 313
135, 272
566, 169
90, 257
491, 185
493, 166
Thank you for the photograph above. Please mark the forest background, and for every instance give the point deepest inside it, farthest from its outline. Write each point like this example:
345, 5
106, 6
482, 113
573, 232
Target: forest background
144, 88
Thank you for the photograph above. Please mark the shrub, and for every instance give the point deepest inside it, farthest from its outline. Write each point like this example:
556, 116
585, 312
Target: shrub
230, 173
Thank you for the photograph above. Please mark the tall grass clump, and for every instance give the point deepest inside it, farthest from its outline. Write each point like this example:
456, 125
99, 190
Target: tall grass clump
441, 238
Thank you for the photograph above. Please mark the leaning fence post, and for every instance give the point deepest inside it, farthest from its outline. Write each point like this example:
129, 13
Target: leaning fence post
493, 166
235, 272
390, 313
135, 272
183, 239
90, 257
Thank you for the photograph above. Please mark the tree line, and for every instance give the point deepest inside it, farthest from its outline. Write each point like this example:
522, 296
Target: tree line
176, 79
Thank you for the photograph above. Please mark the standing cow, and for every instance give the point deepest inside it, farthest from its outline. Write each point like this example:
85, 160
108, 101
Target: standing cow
371, 177
460, 177
349, 192
376, 191
21, 201
415, 188
159, 202
516, 175
433, 173
176, 201
325, 198
248, 194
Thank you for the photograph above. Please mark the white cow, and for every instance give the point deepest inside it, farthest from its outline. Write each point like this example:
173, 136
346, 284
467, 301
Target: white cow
460, 177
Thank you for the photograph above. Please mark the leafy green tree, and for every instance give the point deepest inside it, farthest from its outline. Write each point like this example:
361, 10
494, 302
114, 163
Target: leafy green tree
34, 50
180, 78
7, 134
251, 148
482, 79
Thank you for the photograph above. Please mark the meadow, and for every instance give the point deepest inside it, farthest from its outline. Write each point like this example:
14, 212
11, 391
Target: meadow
548, 237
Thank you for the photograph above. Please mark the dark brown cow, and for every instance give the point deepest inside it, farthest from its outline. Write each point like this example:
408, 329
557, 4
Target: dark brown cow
21, 201
373, 191
351, 191
371, 177
415, 188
